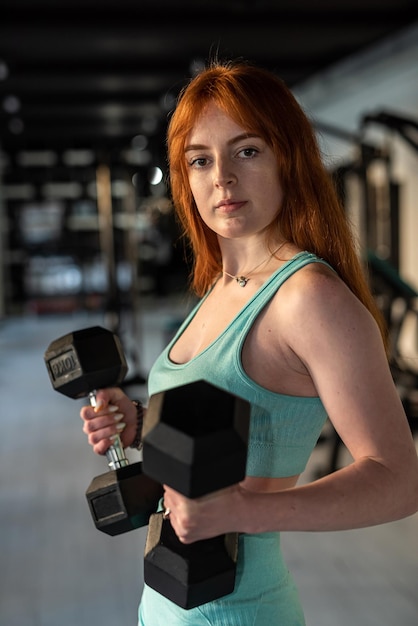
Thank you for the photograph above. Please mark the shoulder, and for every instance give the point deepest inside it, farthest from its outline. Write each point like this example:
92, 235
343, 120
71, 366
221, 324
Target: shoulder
315, 304
311, 284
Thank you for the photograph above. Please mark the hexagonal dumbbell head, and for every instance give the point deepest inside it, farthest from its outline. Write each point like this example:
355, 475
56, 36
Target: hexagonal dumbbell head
195, 438
123, 499
189, 574
85, 360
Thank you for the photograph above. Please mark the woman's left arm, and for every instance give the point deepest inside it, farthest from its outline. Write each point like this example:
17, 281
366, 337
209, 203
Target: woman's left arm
340, 346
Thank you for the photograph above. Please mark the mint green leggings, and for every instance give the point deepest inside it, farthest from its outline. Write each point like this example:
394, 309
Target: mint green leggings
264, 593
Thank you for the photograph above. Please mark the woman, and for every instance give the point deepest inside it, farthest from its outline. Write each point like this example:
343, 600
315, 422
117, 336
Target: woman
285, 320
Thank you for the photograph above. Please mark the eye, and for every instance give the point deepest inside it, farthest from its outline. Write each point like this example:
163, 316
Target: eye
198, 162
248, 153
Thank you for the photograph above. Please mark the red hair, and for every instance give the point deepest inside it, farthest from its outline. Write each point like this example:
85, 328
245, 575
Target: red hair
311, 216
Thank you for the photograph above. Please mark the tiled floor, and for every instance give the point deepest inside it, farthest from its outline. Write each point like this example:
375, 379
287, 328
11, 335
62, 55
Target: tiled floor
58, 570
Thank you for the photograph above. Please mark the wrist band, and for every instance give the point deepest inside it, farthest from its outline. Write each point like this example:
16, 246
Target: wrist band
137, 444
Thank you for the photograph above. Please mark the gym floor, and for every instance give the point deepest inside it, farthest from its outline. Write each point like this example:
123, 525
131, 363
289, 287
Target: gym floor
57, 569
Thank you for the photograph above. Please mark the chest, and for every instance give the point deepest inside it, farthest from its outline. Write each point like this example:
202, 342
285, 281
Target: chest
264, 356
213, 318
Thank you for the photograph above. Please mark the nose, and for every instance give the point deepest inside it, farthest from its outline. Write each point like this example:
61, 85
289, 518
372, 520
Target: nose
224, 174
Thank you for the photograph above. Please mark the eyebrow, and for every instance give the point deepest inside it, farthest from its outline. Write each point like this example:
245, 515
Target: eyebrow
234, 140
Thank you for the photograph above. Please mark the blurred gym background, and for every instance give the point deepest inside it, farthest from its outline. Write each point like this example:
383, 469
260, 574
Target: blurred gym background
88, 236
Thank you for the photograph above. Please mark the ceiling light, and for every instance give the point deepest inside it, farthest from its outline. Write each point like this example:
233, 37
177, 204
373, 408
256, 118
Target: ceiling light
155, 175
36, 158
139, 142
11, 104
80, 158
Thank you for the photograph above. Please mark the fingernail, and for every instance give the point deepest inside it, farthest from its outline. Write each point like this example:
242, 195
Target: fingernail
112, 408
118, 416
120, 427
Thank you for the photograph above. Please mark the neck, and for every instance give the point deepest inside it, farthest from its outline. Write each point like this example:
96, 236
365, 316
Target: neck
242, 278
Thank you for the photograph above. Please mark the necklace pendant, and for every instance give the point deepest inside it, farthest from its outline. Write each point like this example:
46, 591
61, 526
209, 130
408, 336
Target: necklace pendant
242, 280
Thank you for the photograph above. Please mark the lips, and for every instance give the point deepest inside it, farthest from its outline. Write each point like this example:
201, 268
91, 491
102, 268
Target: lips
230, 205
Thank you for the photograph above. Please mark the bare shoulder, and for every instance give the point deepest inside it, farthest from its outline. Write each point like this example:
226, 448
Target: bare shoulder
315, 284
315, 303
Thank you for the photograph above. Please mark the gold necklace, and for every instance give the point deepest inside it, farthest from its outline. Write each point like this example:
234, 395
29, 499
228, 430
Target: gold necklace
243, 280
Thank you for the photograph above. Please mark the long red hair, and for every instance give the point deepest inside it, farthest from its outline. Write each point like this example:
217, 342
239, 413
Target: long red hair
311, 216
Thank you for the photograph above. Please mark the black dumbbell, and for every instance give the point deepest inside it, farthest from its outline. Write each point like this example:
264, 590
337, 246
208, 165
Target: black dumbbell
78, 364
195, 440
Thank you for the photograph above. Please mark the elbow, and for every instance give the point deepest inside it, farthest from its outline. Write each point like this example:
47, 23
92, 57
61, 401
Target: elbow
413, 508
408, 504
401, 491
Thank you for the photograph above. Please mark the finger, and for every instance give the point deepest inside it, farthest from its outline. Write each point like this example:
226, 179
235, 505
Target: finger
101, 447
166, 512
99, 404
109, 409
105, 397
88, 413
108, 420
107, 434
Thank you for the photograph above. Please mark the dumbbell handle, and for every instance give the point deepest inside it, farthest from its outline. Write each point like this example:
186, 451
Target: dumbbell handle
115, 454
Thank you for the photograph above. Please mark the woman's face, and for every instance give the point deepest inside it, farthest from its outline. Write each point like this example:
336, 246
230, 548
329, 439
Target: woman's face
233, 176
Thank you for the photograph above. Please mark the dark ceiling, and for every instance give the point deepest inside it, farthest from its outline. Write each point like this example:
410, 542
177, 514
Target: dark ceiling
95, 73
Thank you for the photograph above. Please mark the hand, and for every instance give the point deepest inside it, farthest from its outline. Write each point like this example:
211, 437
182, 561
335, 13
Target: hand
209, 516
114, 414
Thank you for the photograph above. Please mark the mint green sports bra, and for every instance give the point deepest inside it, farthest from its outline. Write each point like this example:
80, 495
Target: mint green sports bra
283, 429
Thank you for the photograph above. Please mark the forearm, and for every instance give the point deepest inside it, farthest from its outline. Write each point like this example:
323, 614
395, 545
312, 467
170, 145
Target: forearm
362, 494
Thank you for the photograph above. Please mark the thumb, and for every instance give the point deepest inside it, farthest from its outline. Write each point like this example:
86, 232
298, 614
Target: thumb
100, 399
